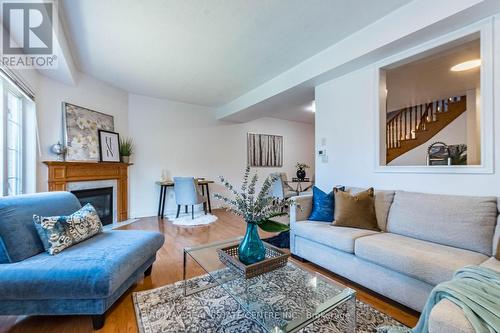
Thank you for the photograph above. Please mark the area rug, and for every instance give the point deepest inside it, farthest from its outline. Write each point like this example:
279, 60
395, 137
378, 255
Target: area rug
282, 240
165, 309
187, 220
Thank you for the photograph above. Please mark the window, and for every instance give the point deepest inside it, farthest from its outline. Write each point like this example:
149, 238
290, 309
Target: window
18, 141
14, 158
435, 105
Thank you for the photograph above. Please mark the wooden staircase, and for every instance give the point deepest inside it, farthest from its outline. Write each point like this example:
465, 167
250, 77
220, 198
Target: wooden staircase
410, 127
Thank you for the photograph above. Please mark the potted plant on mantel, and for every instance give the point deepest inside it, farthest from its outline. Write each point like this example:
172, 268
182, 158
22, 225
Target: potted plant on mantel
126, 149
257, 210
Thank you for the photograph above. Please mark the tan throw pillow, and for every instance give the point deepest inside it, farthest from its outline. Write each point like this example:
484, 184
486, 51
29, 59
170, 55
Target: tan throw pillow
355, 210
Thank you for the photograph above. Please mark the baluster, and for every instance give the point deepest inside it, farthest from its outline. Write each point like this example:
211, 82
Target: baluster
400, 128
404, 128
390, 134
386, 135
405, 125
411, 122
419, 115
396, 132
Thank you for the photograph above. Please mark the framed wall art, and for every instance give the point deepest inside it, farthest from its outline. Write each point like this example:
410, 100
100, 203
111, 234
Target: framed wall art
81, 126
264, 150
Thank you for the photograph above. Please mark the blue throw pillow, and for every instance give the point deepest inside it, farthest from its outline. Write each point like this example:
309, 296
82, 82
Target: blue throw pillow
60, 232
323, 206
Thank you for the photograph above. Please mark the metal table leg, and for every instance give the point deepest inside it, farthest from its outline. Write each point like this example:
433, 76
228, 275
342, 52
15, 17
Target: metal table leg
351, 315
161, 200
163, 203
208, 200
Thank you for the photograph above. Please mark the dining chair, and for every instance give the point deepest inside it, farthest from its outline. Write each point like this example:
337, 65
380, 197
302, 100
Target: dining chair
280, 188
186, 194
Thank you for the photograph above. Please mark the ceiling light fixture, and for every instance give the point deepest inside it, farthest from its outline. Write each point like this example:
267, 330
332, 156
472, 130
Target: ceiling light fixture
312, 108
465, 66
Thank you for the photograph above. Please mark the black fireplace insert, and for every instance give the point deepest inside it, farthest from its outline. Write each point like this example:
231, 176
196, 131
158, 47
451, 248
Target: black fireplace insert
101, 199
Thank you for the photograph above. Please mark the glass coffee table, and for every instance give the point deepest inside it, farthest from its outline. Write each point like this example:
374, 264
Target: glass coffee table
284, 300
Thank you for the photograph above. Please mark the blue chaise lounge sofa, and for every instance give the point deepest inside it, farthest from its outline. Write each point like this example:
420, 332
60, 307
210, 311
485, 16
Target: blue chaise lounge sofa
85, 279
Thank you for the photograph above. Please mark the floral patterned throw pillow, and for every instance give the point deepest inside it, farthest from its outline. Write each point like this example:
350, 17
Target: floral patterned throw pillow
60, 232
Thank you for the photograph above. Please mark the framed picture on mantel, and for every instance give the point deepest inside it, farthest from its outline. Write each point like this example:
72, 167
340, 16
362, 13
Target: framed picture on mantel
80, 132
109, 146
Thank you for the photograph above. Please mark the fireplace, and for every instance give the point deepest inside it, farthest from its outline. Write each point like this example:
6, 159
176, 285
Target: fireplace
101, 199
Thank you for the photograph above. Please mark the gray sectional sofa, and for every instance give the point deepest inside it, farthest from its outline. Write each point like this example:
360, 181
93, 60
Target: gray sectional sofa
424, 238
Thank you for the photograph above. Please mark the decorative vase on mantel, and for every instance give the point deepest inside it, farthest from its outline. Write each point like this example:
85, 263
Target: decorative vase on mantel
126, 159
251, 249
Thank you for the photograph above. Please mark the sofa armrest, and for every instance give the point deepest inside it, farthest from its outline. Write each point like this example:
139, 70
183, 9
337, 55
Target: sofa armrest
301, 210
492, 263
447, 317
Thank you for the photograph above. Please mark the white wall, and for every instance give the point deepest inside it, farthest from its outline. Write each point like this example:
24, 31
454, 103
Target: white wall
87, 92
346, 121
186, 140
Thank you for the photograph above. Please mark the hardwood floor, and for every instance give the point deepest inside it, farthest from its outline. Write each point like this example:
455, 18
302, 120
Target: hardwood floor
168, 269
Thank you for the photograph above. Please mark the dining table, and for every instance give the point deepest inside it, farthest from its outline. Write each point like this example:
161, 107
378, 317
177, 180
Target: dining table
164, 185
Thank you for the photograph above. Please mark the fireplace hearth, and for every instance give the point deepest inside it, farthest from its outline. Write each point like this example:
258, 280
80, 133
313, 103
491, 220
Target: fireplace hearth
101, 199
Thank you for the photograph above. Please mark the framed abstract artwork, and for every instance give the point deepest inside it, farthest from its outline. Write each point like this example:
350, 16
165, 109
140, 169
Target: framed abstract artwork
109, 146
264, 150
81, 126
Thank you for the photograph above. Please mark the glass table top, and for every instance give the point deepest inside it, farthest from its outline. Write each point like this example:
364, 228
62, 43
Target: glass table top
283, 300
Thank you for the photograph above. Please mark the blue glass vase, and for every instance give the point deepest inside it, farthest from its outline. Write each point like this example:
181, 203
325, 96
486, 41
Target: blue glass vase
251, 249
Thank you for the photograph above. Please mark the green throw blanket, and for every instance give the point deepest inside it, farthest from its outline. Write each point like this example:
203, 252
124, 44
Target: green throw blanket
476, 290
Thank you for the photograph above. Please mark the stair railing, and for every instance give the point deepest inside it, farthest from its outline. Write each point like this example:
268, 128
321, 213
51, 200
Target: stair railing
404, 124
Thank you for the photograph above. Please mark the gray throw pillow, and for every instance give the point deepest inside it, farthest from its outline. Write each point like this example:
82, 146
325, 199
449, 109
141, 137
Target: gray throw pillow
60, 232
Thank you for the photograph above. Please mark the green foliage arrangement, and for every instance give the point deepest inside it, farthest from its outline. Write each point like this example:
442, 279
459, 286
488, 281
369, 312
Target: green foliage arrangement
258, 208
126, 146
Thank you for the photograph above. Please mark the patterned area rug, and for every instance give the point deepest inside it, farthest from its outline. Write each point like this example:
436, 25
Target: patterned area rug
165, 309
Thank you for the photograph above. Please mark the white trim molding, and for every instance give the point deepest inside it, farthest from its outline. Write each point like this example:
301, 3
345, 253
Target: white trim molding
484, 29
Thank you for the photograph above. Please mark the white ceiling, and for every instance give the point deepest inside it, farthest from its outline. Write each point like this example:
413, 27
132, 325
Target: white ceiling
206, 52
293, 104
428, 78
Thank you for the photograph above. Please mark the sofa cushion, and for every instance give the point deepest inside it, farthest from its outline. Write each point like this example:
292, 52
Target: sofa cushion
425, 261
383, 202
323, 206
17, 231
340, 238
60, 232
91, 269
355, 210
459, 221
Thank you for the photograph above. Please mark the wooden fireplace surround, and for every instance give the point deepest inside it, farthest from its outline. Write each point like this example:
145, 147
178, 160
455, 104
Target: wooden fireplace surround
61, 173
